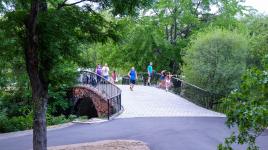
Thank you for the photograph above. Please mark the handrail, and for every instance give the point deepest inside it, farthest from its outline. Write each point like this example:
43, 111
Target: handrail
110, 91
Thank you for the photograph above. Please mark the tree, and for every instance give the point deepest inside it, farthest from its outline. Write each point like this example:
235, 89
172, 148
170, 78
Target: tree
180, 18
49, 32
162, 32
258, 33
216, 60
247, 106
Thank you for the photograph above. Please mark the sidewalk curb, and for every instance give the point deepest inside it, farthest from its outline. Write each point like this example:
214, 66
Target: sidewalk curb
30, 132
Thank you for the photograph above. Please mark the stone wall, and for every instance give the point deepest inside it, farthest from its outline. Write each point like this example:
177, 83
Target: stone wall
99, 100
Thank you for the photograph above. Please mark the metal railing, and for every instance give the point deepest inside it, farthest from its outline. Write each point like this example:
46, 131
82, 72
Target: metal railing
184, 89
110, 91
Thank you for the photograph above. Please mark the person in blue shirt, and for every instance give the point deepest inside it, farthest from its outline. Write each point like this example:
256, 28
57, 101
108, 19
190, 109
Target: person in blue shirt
133, 77
150, 72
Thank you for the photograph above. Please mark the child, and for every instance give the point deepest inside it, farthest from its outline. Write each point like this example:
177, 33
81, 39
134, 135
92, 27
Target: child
168, 80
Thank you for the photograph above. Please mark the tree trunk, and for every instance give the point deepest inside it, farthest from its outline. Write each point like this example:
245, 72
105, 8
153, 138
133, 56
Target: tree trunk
39, 87
39, 124
167, 34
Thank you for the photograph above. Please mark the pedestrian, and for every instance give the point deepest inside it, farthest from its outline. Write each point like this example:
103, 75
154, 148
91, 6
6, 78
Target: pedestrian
168, 81
98, 71
114, 77
150, 73
105, 71
132, 77
162, 78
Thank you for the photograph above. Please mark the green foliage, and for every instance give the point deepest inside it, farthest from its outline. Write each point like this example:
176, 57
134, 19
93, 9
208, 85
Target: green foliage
52, 120
216, 60
61, 30
18, 123
161, 33
248, 109
15, 123
258, 31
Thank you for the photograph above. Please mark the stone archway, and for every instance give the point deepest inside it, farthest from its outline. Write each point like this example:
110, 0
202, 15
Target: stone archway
87, 100
85, 107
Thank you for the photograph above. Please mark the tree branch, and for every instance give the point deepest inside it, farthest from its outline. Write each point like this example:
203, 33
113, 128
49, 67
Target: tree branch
198, 4
64, 4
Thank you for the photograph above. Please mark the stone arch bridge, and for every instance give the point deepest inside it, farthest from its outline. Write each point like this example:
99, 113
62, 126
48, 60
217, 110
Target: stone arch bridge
95, 97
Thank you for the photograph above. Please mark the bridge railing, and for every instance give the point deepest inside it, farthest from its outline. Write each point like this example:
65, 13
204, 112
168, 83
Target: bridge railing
110, 91
184, 89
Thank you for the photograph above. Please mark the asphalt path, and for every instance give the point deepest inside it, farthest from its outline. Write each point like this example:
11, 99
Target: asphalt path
160, 133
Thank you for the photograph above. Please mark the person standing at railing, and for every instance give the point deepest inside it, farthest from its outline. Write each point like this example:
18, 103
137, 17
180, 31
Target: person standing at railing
132, 77
150, 73
98, 71
168, 81
114, 77
105, 71
162, 78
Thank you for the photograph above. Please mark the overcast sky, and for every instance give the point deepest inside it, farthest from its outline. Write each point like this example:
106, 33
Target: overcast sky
260, 5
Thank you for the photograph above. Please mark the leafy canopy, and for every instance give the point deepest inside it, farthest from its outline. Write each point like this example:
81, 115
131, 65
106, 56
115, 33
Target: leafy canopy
216, 60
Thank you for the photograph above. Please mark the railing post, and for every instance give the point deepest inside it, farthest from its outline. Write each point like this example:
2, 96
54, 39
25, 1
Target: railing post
108, 109
119, 103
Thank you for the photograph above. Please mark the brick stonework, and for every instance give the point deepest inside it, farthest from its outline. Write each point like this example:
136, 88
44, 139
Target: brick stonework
98, 99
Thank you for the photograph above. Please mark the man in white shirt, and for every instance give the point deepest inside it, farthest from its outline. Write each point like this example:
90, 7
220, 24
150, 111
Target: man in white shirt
105, 71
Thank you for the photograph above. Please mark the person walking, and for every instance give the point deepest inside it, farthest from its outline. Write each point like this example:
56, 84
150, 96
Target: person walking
132, 77
150, 73
105, 71
98, 71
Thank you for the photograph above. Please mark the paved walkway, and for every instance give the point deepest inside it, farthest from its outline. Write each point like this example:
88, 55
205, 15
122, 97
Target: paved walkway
147, 101
160, 133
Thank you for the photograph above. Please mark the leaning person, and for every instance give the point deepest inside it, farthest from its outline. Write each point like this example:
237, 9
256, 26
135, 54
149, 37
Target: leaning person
168, 81
132, 77
114, 77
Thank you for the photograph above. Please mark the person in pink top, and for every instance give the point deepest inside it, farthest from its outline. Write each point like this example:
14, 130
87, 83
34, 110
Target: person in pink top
168, 80
114, 77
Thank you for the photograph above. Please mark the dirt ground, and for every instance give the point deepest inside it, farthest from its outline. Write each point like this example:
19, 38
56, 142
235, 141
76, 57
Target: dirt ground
105, 145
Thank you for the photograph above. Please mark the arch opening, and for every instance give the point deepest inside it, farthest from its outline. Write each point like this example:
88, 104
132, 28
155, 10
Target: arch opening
85, 107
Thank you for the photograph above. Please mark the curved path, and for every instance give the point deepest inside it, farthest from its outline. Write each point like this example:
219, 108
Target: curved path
161, 119
147, 101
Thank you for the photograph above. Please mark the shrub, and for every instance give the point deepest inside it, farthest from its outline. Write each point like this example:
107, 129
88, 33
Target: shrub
15, 123
216, 60
248, 109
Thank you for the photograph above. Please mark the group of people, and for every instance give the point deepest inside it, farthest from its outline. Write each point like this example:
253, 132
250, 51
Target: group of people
165, 78
104, 72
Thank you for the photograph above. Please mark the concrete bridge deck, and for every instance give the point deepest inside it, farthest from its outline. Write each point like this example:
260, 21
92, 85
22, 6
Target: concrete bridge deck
147, 101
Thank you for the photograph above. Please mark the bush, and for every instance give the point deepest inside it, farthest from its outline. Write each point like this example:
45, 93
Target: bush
248, 109
26, 122
15, 123
216, 60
